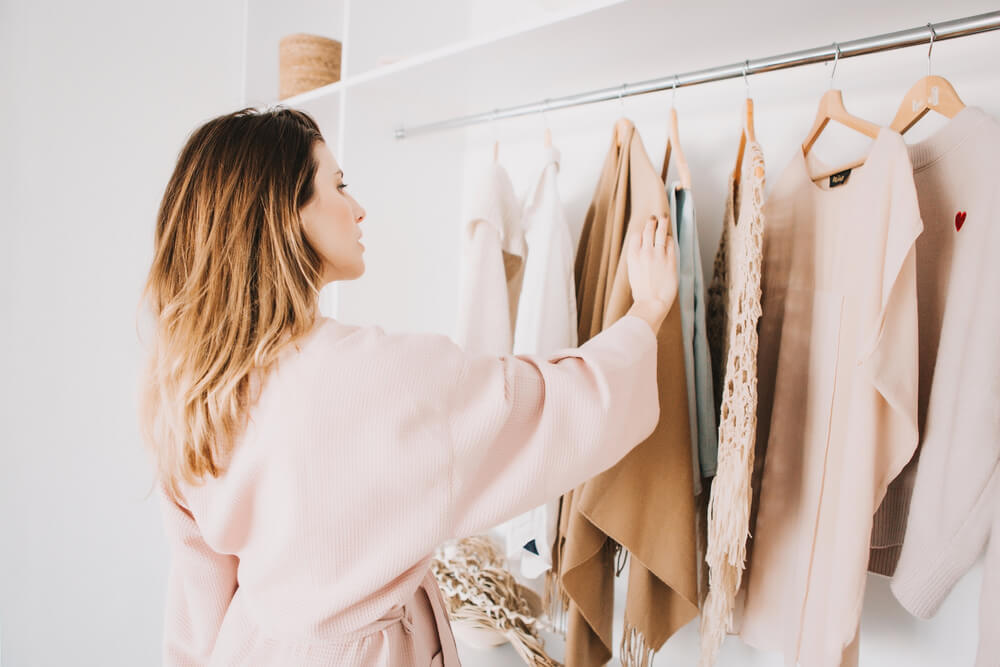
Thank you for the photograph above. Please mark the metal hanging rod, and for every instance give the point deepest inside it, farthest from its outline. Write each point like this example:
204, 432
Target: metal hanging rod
969, 25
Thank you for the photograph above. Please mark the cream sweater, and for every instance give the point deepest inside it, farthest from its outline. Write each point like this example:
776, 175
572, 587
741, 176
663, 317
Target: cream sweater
955, 508
366, 451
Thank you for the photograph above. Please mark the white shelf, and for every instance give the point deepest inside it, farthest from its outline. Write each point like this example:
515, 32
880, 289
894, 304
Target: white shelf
625, 42
600, 44
450, 50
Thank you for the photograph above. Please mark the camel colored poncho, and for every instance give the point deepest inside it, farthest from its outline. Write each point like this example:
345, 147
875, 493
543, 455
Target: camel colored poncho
646, 502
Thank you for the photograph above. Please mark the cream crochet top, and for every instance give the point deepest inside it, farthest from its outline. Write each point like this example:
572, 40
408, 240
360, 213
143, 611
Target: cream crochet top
733, 312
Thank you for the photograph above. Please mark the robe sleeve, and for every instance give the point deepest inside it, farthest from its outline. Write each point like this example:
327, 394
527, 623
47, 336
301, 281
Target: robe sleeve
527, 428
200, 585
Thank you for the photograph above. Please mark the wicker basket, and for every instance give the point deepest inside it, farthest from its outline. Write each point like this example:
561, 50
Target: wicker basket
307, 62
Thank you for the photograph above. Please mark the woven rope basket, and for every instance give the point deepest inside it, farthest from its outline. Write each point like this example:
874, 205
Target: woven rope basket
307, 62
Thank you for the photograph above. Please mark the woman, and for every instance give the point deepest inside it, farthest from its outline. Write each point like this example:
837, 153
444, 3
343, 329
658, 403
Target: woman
307, 468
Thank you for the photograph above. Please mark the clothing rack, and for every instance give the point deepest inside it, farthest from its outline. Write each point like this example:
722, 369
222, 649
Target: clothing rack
928, 33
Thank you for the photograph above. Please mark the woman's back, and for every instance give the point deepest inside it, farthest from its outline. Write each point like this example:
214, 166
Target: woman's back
366, 451
322, 454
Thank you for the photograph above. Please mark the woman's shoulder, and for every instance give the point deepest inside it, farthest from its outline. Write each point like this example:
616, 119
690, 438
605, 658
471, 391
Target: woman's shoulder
404, 366
329, 334
336, 338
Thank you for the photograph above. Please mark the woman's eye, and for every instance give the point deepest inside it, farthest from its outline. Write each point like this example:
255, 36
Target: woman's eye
342, 186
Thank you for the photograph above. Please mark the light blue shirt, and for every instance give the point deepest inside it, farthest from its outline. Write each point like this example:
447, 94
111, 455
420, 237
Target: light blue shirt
697, 362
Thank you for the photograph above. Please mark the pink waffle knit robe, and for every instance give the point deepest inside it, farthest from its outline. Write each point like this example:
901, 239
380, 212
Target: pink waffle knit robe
366, 451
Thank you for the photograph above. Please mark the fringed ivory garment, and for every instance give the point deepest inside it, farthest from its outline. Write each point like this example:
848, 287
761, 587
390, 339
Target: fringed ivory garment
733, 312
644, 505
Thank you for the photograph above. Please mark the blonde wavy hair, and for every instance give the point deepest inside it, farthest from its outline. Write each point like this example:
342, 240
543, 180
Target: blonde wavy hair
233, 280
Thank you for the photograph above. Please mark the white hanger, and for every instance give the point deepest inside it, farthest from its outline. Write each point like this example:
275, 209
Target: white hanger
623, 123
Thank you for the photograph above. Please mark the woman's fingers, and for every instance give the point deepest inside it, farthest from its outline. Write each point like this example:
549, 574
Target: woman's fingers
648, 232
661, 230
634, 243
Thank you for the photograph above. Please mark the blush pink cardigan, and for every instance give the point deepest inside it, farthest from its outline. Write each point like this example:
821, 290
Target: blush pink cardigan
366, 451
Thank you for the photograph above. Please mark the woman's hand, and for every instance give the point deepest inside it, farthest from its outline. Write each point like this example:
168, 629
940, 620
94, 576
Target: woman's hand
652, 271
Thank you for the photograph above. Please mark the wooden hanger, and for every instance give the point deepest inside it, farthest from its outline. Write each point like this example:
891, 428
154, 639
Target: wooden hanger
548, 133
622, 126
831, 107
496, 137
746, 136
674, 141
931, 93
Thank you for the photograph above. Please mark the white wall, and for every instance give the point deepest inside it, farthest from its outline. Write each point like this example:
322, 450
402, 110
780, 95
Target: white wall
98, 99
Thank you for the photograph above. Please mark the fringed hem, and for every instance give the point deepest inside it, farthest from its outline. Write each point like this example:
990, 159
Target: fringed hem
716, 622
728, 522
634, 650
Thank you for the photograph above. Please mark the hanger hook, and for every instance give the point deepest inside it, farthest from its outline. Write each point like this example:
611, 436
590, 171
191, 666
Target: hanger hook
836, 57
929, 48
621, 96
545, 113
673, 96
746, 83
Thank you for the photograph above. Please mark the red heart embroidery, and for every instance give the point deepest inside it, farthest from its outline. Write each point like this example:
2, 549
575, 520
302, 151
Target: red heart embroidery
959, 220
